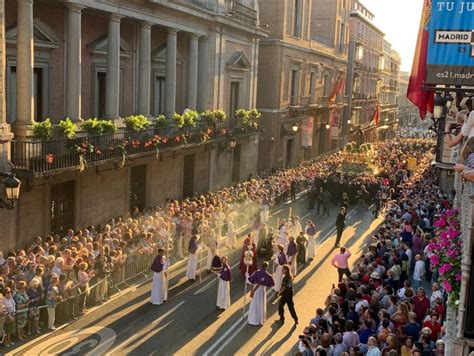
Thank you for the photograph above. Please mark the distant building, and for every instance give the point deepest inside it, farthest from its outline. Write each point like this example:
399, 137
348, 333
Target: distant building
301, 78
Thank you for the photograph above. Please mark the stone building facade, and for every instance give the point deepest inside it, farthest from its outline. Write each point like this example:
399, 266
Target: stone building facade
301, 78
365, 70
389, 92
110, 59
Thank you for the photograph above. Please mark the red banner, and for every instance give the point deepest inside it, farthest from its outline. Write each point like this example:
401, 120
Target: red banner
337, 88
421, 98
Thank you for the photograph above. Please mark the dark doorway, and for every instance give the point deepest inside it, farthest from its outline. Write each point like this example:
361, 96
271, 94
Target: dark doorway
138, 187
62, 207
236, 164
289, 146
188, 176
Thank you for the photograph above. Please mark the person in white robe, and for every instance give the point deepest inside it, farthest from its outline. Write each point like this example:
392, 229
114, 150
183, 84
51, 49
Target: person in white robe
223, 286
260, 280
159, 287
231, 238
311, 235
192, 267
280, 261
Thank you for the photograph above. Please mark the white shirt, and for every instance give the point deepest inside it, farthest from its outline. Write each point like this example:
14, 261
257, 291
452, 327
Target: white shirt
419, 271
467, 128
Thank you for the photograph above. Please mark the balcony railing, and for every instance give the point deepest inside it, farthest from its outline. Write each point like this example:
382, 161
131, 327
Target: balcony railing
364, 96
244, 13
46, 156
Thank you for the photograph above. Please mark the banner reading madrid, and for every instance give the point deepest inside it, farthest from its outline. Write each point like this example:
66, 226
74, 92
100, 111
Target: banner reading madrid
450, 58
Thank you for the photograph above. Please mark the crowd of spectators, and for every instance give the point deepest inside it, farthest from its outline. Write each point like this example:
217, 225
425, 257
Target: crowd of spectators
55, 278
385, 307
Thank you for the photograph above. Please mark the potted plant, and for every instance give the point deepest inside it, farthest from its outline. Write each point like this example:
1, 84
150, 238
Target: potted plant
178, 120
66, 128
136, 123
97, 127
161, 122
208, 117
220, 115
43, 131
189, 118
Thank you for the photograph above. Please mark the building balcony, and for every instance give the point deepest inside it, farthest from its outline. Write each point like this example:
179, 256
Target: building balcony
34, 158
243, 13
364, 97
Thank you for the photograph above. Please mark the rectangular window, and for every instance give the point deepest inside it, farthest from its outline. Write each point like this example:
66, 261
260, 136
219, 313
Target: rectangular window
294, 87
311, 84
39, 94
327, 84
234, 98
342, 33
297, 18
159, 93
101, 78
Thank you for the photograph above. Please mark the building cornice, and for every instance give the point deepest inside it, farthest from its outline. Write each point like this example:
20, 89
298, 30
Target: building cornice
283, 44
355, 13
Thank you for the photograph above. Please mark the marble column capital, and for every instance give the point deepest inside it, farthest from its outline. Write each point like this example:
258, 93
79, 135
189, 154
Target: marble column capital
172, 31
146, 25
73, 7
25, 1
115, 17
193, 36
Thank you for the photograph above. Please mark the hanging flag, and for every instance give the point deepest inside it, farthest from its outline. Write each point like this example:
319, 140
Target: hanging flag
423, 99
337, 88
376, 115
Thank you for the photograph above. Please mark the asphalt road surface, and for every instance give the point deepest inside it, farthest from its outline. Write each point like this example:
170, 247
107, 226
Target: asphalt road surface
190, 324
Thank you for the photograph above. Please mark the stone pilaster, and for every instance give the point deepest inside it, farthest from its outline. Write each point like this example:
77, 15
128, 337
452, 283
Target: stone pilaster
170, 83
192, 71
73, 62
144, 64
112, 86
203, 74
5, 134
24, 70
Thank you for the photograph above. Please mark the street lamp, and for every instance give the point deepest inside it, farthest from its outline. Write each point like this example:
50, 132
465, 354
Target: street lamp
328, 126
349, 121
12, 191
294, 127
439, 106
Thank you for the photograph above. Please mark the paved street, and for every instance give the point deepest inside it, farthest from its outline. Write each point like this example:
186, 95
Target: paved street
190, 323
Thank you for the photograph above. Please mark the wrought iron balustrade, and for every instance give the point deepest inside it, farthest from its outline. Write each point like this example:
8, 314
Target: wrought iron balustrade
36, 156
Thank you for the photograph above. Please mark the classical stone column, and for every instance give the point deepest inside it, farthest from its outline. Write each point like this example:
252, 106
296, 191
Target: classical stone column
24, 65
112, 86
192, 71
144, 64
170, 80
73, 62
5, 134
203, 65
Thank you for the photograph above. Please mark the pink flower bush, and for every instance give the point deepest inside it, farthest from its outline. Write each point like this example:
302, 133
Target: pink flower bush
446, 253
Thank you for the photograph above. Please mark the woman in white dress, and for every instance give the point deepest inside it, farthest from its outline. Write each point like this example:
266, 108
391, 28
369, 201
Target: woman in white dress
310, 234
223, 288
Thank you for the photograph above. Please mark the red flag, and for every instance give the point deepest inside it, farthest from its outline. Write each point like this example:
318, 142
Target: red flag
337, 88
422, 99
376, 115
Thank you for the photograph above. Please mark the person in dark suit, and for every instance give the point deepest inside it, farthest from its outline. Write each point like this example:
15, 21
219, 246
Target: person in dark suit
340, 224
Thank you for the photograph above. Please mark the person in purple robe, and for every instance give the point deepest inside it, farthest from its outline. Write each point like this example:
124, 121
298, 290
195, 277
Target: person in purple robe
223, 288
191, 269
159, 287
261, 279
291, 253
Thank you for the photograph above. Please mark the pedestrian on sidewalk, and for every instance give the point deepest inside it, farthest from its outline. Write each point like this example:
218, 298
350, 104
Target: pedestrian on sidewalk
286, 296
340, 225
340, 261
